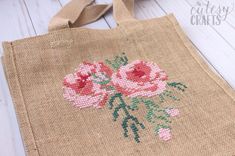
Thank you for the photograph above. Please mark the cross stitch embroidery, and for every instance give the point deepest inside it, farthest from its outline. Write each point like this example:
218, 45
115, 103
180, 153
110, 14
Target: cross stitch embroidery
96, 84
84, 88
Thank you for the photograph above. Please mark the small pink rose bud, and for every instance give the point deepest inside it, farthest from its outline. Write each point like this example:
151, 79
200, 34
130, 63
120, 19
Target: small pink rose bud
173, 112
164, 134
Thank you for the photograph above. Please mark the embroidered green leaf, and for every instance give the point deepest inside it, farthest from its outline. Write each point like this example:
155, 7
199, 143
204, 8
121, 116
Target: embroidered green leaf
163, 111
162, 99
115, 112
134, 104
177, 85
128, 119
112, 99
159, 126
169, 94
102, 79
118, 61
108, 88
135, 132
156, 115
151, 109
163, 117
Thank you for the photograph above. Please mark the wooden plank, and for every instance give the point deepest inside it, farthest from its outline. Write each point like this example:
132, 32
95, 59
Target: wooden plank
10, 137
231, 19
16, 24
216, 50
108, 17
231, 16
225, 30
41, 12
147, 9
143, 9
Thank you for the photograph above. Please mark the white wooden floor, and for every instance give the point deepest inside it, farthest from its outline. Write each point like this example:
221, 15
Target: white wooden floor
25, 18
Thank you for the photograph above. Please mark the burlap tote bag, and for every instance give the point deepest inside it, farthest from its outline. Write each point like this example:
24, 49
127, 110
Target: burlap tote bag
137, 89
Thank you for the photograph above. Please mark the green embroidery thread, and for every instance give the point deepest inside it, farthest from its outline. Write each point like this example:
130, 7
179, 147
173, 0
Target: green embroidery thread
123, 106
142, 82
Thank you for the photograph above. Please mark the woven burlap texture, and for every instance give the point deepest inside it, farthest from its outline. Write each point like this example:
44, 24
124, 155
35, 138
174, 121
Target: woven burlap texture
35, 68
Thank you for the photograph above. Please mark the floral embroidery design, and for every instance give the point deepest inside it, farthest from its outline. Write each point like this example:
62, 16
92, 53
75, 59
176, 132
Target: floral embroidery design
144, 83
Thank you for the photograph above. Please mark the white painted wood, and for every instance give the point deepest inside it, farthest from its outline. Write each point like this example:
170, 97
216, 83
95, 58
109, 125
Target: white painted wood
212, 46
15, 24
147, 9
231, 18
108, 17
10, 140
225, 30
216, 44
143, 9
41, 11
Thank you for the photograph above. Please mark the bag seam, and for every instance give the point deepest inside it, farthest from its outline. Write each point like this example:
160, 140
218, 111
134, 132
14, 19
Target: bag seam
16, 79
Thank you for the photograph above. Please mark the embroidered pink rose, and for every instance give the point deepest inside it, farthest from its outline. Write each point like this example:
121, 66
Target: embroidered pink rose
80, 88
164, 134
140, 78
95, 84
172, 112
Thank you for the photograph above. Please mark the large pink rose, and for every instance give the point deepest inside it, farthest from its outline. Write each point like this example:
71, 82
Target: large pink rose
140, 78
80, 87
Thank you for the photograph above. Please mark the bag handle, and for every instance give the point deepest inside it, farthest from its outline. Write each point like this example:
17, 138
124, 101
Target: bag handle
77, 13
123, 10
80, 12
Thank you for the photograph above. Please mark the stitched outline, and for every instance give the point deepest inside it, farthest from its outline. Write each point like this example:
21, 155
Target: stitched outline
11, 55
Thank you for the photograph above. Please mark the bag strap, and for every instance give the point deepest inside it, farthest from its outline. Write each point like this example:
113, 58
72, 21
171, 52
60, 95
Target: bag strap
80, 12
123, 10
77, 13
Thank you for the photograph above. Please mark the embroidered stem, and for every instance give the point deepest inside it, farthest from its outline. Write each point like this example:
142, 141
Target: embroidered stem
155, 114
101, 79
134, 104
153, 109
128, 117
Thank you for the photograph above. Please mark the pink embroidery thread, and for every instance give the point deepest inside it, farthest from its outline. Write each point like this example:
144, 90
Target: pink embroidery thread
80, 89
95, 84
140, 78
164, 134
173, 112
